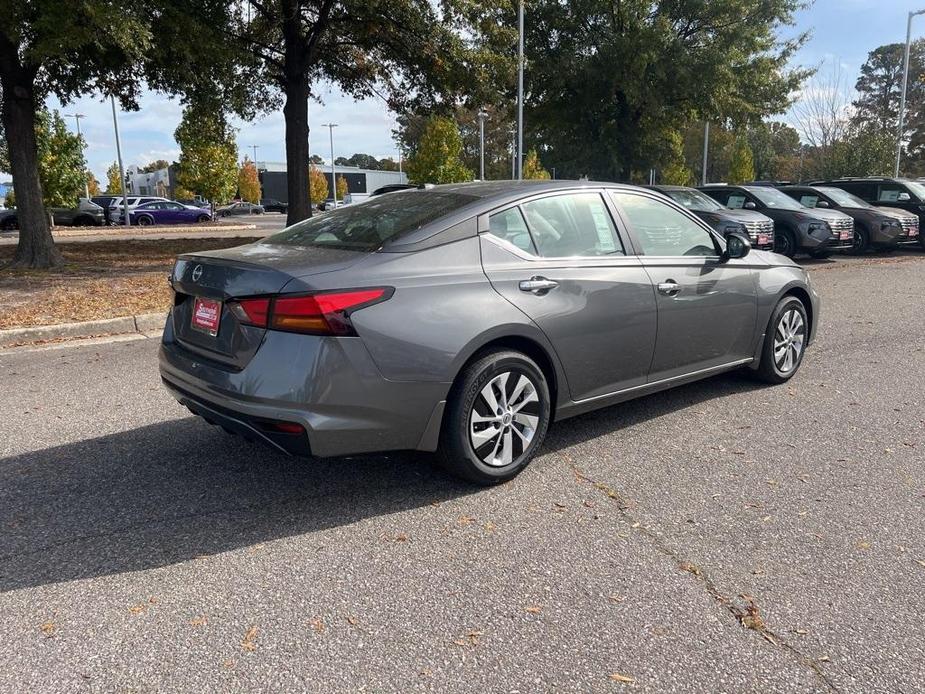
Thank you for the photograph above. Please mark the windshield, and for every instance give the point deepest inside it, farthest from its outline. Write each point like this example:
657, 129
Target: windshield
916, 188
772, 197
366, 227
694, 200
843, 198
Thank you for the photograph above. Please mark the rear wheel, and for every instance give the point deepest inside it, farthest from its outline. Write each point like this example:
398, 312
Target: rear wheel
202, 218
784, 341
784, 243
145, 220
496, 419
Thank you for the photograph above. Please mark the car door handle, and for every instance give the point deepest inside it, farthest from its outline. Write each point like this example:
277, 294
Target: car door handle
669, 287
537, 285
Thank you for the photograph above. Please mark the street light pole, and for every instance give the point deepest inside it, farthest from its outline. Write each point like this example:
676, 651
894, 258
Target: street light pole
902, 100
115, 125
330, 127
482, 116
255, 148
77, 117
706, 149
520, 91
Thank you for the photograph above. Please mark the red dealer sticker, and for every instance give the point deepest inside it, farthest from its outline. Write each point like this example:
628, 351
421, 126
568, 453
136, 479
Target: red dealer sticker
206, 315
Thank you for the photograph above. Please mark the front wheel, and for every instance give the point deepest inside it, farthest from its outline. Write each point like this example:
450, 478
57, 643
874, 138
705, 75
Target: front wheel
784, 341
784, 243
202, 218
861, 241
496, 419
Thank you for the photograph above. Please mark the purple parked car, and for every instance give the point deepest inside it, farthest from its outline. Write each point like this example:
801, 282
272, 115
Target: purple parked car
168, 213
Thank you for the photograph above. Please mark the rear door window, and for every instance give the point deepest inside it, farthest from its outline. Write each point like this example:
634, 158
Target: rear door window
890, 192
575, 224
736, 201
510, 226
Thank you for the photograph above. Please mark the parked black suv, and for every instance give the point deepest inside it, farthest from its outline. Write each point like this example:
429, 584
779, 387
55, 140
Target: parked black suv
758, 228
898, 193
796, 228
878, 227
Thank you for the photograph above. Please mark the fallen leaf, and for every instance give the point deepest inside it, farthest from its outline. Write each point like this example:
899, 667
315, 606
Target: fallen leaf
249, 643
49, 628
198, 621
533, 609
318, 625
352, 620
920, 562
690, 568
465, 520
617, 677
489, 527
616, 598
863, 544
138, 609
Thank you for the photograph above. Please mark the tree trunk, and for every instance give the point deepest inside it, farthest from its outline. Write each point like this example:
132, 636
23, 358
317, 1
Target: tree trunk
295, 113
36, 247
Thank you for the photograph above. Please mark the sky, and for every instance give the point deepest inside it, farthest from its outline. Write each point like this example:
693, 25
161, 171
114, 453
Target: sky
842, 33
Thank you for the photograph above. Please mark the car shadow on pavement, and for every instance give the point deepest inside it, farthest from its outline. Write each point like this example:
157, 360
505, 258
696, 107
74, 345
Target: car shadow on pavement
177, 490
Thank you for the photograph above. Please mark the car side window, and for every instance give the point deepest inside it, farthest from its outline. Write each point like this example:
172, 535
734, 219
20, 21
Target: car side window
890, 192
736, 201
577, 224
663, 230
809, 200
510, 226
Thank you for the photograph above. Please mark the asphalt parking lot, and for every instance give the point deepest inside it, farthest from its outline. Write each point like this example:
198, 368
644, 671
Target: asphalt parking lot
725, 536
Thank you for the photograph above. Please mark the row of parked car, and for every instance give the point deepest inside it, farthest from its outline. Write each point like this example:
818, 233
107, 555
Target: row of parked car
817, 218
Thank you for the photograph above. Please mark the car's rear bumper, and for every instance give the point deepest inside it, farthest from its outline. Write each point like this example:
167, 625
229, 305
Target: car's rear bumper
330, 386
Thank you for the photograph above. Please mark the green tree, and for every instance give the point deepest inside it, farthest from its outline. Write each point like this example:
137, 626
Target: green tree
742, 166
113, 180
388, 164
208, 162
675, 171
404, 49
10, 200
771, 143
533, 169
606, 78
437, 159
48, 47
318, 186
61, 161
249, 181
155, 165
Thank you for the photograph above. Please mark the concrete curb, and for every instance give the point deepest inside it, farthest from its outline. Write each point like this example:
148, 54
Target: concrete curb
143, 323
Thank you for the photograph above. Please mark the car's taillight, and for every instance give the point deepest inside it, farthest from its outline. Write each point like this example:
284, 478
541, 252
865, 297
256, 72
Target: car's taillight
319, 313
251, 311
326, 313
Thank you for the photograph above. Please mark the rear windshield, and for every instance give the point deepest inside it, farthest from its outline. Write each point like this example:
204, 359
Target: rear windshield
365, 226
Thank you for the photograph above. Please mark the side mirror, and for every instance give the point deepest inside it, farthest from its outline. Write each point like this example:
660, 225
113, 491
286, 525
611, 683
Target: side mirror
738, 245
904, 197
749, 205
822, 203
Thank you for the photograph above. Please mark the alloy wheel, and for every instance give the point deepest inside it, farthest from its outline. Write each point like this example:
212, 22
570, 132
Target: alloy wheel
504, 418
788, 340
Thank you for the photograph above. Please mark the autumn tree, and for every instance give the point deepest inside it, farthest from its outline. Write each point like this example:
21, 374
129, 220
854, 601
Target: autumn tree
318, 186
437, 158
249, 182
533, 169
61, 160
113, 180
93, 185
342, 187
208, 163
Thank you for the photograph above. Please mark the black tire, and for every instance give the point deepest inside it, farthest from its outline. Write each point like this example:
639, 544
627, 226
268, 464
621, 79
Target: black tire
145, 220
10, 224
458, 453
861, 242
785, 243
771, 368
202, 218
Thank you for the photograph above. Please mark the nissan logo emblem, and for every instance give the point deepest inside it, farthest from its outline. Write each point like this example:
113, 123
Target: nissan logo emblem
197, 273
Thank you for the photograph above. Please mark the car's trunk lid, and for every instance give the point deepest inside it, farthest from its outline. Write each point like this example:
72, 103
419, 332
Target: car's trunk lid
234, 273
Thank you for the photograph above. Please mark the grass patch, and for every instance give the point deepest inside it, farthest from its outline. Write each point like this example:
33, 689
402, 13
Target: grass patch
100, 279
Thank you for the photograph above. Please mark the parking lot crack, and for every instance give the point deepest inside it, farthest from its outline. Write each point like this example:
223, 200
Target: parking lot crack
747, 616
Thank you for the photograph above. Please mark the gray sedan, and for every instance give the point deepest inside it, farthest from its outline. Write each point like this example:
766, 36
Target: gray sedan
464, 319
